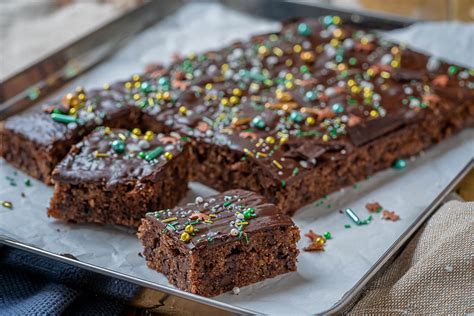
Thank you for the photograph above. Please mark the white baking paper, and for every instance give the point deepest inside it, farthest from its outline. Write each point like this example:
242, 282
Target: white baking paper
322, 278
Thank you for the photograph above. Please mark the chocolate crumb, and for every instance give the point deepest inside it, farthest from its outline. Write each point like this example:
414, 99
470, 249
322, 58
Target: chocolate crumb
390, 216
317, 242
374, 207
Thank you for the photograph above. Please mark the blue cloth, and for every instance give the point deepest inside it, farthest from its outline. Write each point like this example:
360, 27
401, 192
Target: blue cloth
34, 285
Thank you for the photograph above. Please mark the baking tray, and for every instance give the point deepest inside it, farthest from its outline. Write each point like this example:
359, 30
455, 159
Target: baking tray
138, 20
463, 181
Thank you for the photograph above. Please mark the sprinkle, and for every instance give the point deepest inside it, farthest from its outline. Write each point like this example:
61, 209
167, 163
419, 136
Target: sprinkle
154, 153
136, 131
122, 136
234, 232
295, 171
236, 290
304, 29
100, 155
170, 219
277, 164
283, 183
118, 146
185, 237
189, 229
399, 164
317, 242
7, 204
62, 118
248, 152
168, 155
353, 216
242, 223
28, 182
327, 235
347, 226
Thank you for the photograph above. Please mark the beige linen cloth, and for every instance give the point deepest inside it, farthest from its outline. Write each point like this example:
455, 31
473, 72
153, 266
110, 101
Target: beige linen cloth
434, 273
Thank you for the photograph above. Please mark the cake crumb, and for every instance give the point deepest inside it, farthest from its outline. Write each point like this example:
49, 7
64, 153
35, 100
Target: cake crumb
317, 242
390, 216
374, 207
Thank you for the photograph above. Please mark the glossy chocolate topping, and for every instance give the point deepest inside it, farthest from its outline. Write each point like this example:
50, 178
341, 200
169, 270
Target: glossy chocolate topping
118, 155
233, 215
288, 99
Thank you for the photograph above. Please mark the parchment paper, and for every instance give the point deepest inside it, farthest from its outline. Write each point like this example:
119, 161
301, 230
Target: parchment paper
322, 278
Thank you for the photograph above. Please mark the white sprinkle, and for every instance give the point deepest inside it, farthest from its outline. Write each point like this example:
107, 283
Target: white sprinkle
449, 268
234, 232
199, 200
236, 290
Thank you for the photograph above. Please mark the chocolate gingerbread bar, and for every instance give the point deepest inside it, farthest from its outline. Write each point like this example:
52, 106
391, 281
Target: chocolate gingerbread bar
114, 176
215, 244
292, 115
36, 142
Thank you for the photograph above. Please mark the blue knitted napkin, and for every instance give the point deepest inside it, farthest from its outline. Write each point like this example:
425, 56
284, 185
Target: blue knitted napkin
34, 285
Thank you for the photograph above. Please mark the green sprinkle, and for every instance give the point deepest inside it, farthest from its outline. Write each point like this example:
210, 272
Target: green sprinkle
327, 235
283, 183
210, 239
246, 239
311, 95
63, 118
118, 146
227, 203
152, 154
33, 94
28, 182
452, 70
258, 122
296, 171
399, 164
304, 29
296, 116
353, 216
352, 61
347, 226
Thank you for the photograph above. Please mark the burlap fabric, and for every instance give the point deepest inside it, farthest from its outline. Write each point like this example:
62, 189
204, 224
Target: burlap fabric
434, 273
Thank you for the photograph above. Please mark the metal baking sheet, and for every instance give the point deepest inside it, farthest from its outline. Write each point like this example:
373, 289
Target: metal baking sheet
323, 279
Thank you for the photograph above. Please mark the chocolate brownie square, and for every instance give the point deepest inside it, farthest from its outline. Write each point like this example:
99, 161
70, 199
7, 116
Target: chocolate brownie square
36, 142
229, 240
115, 176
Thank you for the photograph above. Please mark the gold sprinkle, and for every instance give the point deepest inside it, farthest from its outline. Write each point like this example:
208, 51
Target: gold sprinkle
122, 136
99, 155
277, 164
270, 140
106, 86
248, 152
169, 219
325, 138
259, 143
189, 229
135, 77
168, 155
208, 221
149, 135
297, 48
183, 110
260, 154
242, 223
7, 204
128, 85
136, 131
184, 237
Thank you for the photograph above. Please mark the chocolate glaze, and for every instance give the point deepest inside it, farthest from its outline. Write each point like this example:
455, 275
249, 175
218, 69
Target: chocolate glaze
223, 208
94, 159
336, 87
